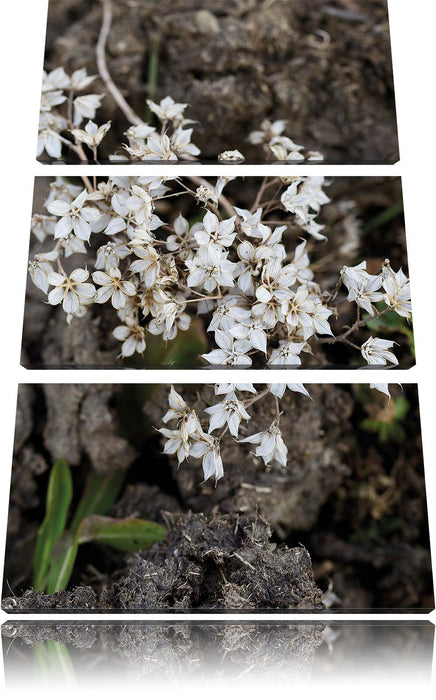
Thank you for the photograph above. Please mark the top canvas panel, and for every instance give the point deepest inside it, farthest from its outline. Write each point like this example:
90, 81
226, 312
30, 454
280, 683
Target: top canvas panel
215, 81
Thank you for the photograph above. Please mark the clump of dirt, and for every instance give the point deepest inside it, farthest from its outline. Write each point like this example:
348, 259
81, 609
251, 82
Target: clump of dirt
323, 66
225, 562
82, 598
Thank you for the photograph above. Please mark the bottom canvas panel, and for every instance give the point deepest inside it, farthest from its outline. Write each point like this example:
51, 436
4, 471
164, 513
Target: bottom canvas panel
226, 497
99, 654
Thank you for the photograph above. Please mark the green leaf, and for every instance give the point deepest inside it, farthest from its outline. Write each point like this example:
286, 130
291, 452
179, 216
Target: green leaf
62, 562
384, 217
100, 493
59, 495
129, 534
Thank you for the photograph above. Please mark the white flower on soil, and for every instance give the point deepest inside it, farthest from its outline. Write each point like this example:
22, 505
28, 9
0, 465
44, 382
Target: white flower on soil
364, 291
113, 287
80, 80
229, 351
74, 217
71, 291
397, 288
147, 265
254, 332
250, 223
167, 110
279, 389
227, 388
270, 445
276, 282
208, 449
376, 351
210, 269
92, 135
188, 422
252, 259
85, 107
132, 336
159, 148
230, 411
181, 144
288, 353
215, 231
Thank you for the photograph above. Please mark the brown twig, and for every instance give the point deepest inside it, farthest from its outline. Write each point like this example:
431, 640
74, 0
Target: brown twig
103, 69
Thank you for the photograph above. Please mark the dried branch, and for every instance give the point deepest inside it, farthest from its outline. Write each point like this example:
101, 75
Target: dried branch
103, 69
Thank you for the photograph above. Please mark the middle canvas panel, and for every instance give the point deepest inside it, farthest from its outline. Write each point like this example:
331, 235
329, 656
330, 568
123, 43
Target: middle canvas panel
190, 272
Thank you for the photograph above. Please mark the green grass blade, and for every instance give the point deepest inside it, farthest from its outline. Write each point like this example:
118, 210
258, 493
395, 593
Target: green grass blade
62, 562
101, 492
59, 495
128, 534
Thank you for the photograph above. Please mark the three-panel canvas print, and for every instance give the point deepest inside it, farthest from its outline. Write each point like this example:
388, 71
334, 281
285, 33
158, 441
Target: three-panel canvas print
228, 495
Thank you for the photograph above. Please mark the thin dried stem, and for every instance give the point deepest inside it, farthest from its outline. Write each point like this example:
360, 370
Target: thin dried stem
100, 51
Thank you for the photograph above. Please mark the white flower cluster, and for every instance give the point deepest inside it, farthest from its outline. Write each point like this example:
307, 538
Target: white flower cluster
63, 110
172, 142
201, 436
190, 439
56, 123
258, 296
279, 146
391, 288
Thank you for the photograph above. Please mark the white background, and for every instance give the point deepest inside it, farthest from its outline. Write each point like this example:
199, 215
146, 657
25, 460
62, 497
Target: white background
413, 40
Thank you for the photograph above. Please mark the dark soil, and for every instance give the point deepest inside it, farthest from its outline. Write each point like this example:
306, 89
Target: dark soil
363, 221
324, 66
348, 512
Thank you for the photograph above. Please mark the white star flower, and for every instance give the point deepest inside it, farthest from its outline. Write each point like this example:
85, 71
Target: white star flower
209, 451
227, 388
215, 231
113, 288
397, 288
181, 144
230, 411
72, 291
279, 389
148, 265
132, 336
276, 282
85, 107
229, 352
250, 223
80, 80
376, 351
74, 217
286, 354
168, 110
270, 445
210, 268
92, 135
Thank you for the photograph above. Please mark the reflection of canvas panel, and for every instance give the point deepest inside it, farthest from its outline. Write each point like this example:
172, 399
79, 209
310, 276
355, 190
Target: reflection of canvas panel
225, 272
261, 652
149, 498
289, 81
